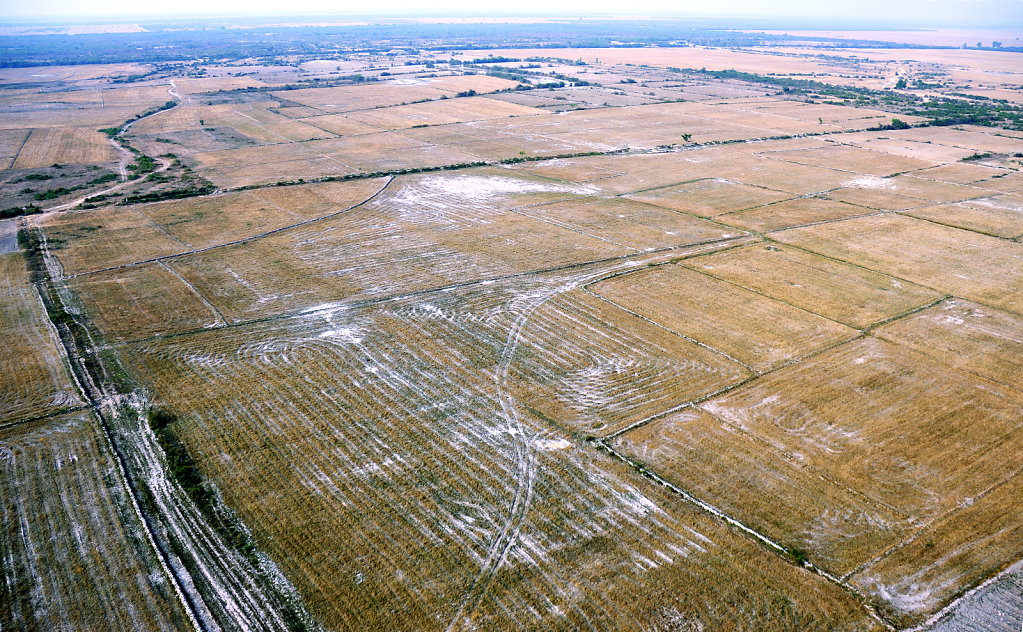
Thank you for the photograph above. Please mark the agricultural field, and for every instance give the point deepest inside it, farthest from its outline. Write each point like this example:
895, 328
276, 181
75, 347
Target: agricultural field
460, 332
75, 555
35, 378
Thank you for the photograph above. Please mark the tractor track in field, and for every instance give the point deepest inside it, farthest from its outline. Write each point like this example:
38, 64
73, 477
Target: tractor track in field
525, 456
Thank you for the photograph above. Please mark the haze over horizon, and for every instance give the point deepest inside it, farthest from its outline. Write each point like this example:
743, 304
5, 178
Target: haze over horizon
914, 13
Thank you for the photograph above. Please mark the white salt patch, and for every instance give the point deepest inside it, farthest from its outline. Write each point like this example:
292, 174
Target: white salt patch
553, 444
345, 334
484, 187
869, 182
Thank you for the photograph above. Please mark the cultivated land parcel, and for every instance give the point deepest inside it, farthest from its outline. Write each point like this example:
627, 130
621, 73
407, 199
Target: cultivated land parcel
530, 339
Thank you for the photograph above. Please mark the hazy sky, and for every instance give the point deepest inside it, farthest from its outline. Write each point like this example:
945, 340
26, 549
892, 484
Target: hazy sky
995, 13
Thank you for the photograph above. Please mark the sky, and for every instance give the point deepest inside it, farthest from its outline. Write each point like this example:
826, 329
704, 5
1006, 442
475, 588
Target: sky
994, 13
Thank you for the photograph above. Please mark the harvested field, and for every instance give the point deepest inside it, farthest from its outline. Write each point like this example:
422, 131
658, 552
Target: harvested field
959, 262
298, 112
87, 118
441, 113
875, 194
958, 551
720, 315
64, 145
484, 142
977, 139
258, 123
387, 151
983, 215
75, 554
180, 118
978, 339
207, 221
739, 474
142, 301
897, 143
1012, 182
59, 74
492, 518
626, 223
595, 368
710, 197
741, 359
848, 294
424, 232
11, 141
340, 124
961, 173
849, 158
569, 170
933, 190
311, 201
211, 84
383, 94
34, 376
905, 431
996, 605
797, 212
352, 154
84, 241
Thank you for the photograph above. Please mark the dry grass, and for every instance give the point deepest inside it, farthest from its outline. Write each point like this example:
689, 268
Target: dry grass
903, 430
984, 216
960, 173
756, 330
423, 232
710, 197
958, 551
258, 123
87, 117
207, 221
176, 119
851, 295
340, 124
626, 223
975, 140
897, 143
849, 158
383, 94
64, 146
389, 150
75, 557
958, 262
793, 505
798, 212
442, 113
67, 74
594, 368
310, 201
84, 241
875, 195
142, 301
934, 190
10, 143
569, 170
391, 472
971, 337
34, 376
291, 161
212, 84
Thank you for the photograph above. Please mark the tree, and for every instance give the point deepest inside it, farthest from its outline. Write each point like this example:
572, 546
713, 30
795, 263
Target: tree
900, 84
996, 44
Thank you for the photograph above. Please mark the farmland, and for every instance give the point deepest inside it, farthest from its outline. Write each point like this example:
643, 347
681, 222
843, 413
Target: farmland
418, 338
